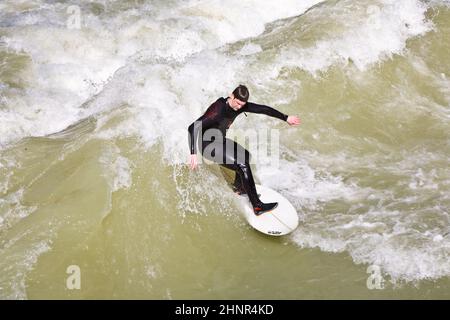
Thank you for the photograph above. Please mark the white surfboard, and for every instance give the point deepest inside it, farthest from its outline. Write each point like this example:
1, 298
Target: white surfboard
280, 221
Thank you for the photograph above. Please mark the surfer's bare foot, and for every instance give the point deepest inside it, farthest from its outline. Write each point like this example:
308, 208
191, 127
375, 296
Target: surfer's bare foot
264, 207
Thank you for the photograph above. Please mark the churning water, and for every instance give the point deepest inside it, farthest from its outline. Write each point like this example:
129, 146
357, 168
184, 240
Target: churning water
95, 101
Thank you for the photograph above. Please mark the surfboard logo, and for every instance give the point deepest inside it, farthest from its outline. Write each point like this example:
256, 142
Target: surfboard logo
274, 232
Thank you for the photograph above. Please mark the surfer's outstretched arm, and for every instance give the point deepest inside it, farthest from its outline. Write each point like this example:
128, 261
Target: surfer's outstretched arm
262, 109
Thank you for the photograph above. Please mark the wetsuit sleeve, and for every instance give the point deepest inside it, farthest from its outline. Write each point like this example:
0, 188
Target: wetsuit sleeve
205, 121
262, 109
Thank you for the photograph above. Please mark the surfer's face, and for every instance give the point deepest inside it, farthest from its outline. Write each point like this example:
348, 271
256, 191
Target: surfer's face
236, 103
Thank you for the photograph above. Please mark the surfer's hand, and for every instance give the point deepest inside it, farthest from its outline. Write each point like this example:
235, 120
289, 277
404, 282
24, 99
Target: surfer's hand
293, 120
194, 162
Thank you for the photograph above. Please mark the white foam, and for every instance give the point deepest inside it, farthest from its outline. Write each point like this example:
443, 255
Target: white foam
17, 266
117, 169
249, 49
387, 244
407, 240
163, 68
12, 210
368, 35
69, 66
304, 186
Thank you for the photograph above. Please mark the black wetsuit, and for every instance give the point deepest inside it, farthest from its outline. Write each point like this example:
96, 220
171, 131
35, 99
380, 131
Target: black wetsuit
220, 116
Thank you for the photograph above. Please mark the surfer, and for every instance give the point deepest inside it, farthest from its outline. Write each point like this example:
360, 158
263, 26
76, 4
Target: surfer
228, 153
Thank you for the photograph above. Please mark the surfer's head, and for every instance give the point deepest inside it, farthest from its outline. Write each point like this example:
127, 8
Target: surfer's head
239, 97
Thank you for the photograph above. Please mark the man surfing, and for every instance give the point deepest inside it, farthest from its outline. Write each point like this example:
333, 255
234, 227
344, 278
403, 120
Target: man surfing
228, 153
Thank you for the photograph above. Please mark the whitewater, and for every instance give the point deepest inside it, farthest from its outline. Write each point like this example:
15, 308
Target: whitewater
95, 101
